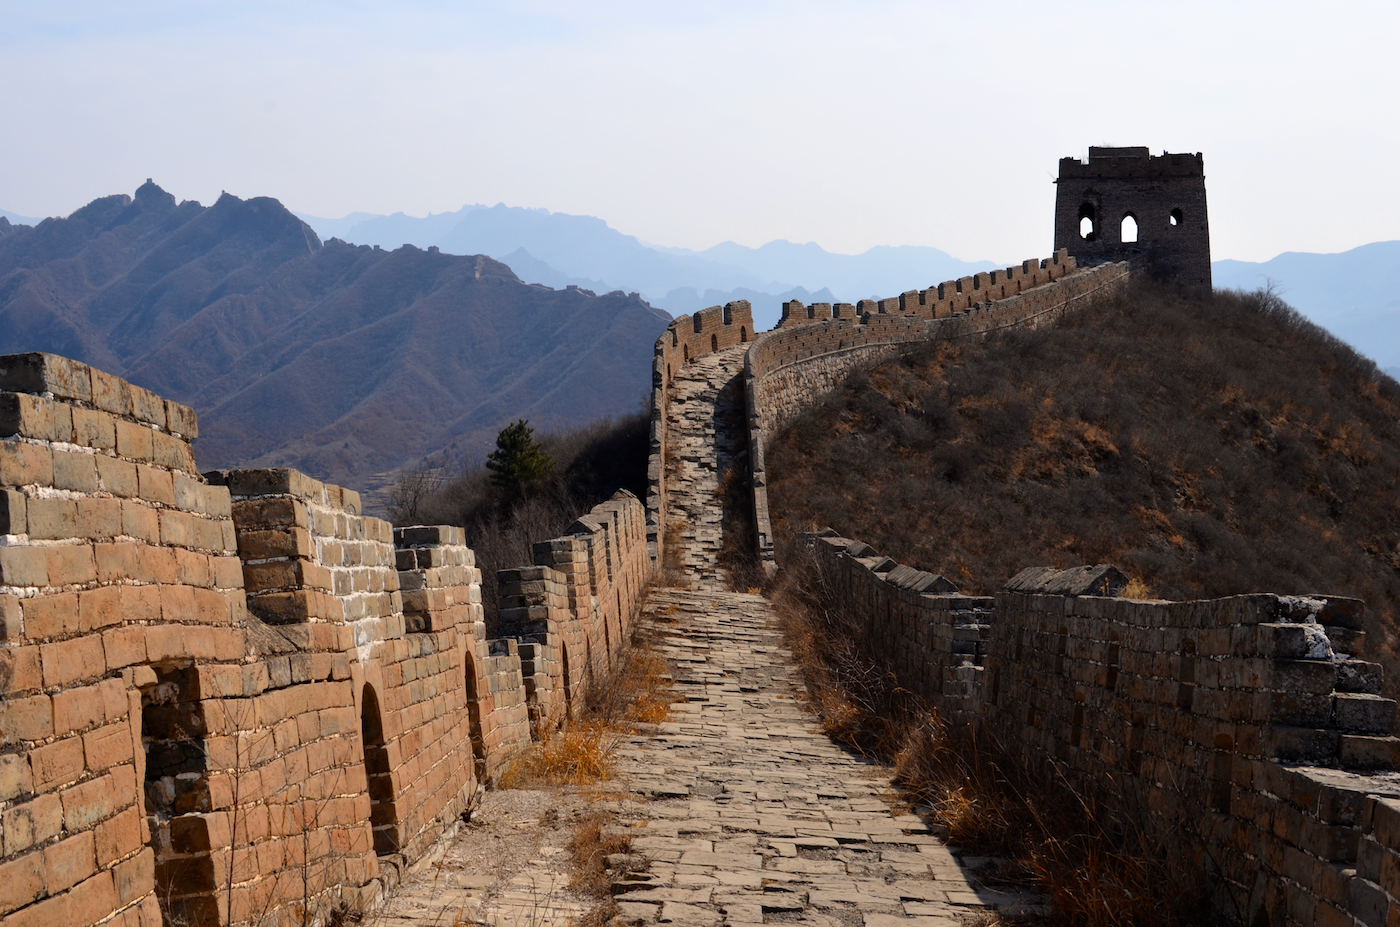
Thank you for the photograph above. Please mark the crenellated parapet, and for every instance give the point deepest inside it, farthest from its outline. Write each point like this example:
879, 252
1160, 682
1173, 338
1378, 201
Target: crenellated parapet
230, 697
1248, 730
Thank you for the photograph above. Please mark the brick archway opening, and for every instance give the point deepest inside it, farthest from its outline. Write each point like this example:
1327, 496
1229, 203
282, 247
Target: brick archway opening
383, 816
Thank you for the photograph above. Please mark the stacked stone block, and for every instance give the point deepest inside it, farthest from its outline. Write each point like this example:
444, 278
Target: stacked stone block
1240, 723
232, 699
114, 555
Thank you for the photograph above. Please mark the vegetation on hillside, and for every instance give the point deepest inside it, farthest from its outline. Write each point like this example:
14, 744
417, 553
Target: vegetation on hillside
1207, 444
503, 517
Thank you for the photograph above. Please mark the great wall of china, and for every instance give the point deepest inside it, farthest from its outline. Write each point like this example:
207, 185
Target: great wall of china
232, 698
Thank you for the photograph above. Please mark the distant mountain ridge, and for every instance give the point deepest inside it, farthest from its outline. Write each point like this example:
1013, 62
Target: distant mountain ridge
342, 360
1354, 294
558, 248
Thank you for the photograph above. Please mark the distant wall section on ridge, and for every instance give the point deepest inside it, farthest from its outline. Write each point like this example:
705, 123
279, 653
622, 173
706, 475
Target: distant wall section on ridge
815, 347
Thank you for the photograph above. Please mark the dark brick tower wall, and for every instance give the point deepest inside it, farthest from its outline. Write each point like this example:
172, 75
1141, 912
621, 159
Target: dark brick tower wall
1166, 195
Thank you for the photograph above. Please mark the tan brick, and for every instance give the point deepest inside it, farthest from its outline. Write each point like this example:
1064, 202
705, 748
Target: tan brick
93, 900
47, 617
192, 567
157, 565
172, 452
177, 528
22, 882
280, 542
99, 518
217, 501
75, 471
24, 464
227, 572
70, 564
108, 746
99, 608
147, 407
210, 535
11, 618
136, 876
53, 519
116, 476
210, 607
56, 763
77, 710
27, 415
164, 642
20, 669
24, 719
92, 428
68, 862
15, 778
176, 603
140, 603
115, 561
24, 566
155, 485
118, 836
140, 521
181, 420
95, 800
31, 823
124, 647
111, 394
68, 661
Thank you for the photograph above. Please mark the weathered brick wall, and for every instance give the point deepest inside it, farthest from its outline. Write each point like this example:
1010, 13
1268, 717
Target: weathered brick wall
1247, 724
236, 698
789, 369
686, 338
576, 605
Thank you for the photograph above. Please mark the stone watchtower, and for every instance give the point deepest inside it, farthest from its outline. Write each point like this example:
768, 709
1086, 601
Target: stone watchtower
1125, 204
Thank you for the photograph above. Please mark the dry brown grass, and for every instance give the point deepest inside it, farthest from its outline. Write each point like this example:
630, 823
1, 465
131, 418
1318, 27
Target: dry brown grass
591, 845
1100, 865
579, 752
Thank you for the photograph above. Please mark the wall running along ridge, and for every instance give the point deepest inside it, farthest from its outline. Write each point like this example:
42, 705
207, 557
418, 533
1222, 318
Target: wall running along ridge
789, 369
1249, 724
234, 697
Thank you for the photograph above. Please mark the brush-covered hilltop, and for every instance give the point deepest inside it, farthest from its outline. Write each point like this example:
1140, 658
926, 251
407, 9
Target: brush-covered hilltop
1206, 444
340, 360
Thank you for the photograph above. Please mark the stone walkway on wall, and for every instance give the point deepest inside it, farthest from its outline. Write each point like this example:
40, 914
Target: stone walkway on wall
705, 437
754, 816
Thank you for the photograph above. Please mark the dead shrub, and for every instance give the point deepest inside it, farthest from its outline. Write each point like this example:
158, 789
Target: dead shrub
593, 841
579, 751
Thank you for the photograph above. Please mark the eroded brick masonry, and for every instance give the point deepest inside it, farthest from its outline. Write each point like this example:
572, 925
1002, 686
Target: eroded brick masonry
233, 697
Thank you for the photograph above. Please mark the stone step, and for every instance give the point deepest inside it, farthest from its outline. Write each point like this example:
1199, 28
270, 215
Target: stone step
1347, 640
1363, 713
1359, 676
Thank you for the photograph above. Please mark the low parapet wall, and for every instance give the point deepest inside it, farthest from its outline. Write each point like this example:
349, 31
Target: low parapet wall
232, 697
1247, 724
687, 338
791, 368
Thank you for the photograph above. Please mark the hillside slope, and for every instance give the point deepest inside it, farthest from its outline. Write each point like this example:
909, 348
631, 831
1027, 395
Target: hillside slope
1208, 445
345, 361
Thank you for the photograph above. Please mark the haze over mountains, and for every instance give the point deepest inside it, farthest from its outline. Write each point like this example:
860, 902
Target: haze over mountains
558, 249
346, 361
1354, 294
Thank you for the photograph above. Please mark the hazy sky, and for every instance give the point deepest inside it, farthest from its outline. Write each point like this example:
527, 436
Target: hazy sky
850, 125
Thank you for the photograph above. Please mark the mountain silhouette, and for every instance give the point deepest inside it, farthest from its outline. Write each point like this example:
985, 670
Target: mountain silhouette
347, 361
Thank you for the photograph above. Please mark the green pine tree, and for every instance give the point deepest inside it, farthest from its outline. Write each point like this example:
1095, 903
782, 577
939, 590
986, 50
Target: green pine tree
518, 459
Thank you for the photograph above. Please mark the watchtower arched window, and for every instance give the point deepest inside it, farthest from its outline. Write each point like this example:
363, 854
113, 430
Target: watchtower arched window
714, 342
383, 815
1128, 230
1088, 222
1176, 218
